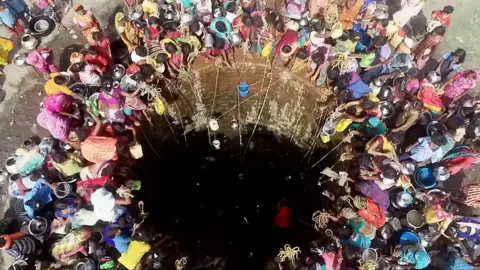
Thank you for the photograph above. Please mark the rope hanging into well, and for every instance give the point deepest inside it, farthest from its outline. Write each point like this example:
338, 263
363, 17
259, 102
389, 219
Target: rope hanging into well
288, 253
321, 219
180, 113
180, 264
346, 139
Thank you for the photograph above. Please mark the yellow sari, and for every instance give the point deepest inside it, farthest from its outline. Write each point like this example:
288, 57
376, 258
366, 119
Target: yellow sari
128, 33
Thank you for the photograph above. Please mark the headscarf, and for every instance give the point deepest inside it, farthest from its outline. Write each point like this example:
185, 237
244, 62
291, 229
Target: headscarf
57, 102
58, 125
464, 81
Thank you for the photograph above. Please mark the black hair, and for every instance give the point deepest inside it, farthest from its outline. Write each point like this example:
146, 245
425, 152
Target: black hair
413, 73
417, 104
257, 22
468, 112
461, 54
232, 7
97, 35
448, 10
143, 234
384, 22
111, 232
395, 137
34, 176
247, 19
118, 128
379, 41
343, 81
389, 172
439, 139
367, 104
107, 83
81, 133
450, 207
2, 242
161, 58
154, 20
138, 77
221, 27
355, 36
344, 232
147, 70
440, 30
271, 18
141, 51
60, 80
344, 37
35, 204
170, 47
333, 73
90, 50
280, 26
365, 160
58, 156
186, 48
194, 27
343, 96
303, 53
319, 26
75, 68
219, 43
318, 58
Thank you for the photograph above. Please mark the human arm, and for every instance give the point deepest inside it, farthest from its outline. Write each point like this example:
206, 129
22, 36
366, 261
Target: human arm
409, 148
371, 150
130, 95
349, 104
411, 120
98, 123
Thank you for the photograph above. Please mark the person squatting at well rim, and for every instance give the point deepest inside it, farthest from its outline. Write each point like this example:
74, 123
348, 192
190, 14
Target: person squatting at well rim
405, 112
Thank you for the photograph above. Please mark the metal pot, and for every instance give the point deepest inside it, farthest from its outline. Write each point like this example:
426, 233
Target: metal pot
415, 219
387, 110
235, 38
137, 13
38, 226
10, 164
403, 199
441, 173
118, 71
408, 168
434, 77
20, 59
169, 15
29, 42
385, 93
303, 22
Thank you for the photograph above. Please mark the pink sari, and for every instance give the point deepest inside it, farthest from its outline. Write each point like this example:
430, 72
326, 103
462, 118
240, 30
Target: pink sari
57, 102
58, 125
459, 85
41, 64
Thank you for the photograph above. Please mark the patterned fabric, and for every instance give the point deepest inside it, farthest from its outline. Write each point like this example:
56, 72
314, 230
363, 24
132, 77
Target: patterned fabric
461, 83
99, 149
458, 264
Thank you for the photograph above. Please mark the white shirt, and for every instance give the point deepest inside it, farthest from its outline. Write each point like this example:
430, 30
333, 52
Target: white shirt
230, 16
103, 203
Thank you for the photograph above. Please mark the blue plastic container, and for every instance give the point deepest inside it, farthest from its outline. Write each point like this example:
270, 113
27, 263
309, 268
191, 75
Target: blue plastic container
424, 178
243, 89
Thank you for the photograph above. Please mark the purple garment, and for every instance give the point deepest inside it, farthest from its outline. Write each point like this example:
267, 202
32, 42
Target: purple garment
372, 190
354, 77
385, 51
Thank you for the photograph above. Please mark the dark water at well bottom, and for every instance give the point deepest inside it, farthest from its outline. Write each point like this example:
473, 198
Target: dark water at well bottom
218, 203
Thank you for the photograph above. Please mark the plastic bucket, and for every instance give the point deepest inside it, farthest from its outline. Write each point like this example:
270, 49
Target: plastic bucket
243, 89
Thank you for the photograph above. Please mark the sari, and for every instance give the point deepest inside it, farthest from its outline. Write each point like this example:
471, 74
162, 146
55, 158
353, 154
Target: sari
460, 158
460, 84
58, 102
347, 15
426, 47
66, 250
431, 100
43, 65
128, 33
87, 22
58, 125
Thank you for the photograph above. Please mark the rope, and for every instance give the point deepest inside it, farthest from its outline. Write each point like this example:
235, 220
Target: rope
215, 93
288, 253
180, 264
331, 14
171, 129
321, 219
181, 117
261, 109
149, 143
368, 265
349, 136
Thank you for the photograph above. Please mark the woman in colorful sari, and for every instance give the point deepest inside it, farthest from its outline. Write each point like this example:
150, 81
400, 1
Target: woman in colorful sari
66, 250
427, 47
42, 60
467, 228
460, 158
451, 63
111, 101
102, 45
350, 10
87, 22
458, 86
58, 125
60, 103
130, 36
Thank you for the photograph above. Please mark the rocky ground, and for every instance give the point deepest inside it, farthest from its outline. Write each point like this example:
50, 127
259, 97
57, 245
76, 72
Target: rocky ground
22, 87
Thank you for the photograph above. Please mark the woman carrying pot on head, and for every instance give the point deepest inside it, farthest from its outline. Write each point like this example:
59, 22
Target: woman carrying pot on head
87, 22
428, 46
458, 86
42, 60
129, 34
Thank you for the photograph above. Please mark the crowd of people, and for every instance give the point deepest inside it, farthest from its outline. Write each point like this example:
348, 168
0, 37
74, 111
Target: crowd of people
406, 112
